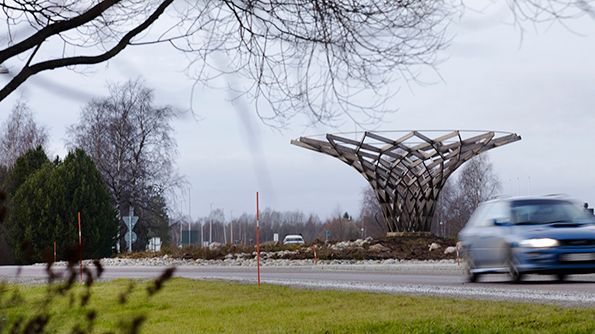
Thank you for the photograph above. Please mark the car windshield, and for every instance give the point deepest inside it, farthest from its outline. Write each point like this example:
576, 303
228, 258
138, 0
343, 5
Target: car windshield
547, 211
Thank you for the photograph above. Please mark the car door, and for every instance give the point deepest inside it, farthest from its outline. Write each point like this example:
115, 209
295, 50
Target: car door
495, 226
472, 235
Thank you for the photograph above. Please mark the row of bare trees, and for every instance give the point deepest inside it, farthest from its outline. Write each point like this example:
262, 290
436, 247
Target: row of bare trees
242, 229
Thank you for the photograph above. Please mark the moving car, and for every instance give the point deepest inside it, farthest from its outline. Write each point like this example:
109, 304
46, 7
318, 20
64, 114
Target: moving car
529, 235
293, 239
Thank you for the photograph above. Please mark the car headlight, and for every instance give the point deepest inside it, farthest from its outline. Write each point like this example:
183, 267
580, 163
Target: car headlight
539, 243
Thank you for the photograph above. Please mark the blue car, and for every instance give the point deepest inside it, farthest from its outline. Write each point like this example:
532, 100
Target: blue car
536, 235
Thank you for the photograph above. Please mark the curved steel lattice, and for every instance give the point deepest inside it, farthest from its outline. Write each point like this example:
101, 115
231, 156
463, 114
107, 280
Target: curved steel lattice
408, 173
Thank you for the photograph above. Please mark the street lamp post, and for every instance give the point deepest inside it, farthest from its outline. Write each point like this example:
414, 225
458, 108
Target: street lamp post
211, 225
189, 219
363, 228
231, 226
224, 232
202, 234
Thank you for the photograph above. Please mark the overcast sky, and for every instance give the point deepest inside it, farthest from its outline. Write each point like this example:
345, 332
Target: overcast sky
541, 87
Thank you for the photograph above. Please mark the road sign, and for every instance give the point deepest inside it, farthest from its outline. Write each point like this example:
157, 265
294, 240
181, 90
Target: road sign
128, 221
127, 237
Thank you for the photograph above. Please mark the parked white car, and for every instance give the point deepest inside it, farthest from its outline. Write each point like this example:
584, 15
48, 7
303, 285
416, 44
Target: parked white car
293, 239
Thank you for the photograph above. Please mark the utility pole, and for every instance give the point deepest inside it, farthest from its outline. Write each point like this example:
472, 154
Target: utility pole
202, 234
224, 233
211, 225
231, 225
363, 228
119, 211
189, 221
130, 214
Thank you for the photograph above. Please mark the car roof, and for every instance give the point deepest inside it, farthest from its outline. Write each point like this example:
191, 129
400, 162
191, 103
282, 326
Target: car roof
552, 197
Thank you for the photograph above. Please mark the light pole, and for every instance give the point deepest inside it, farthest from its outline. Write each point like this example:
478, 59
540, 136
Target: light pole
181, 226
130, 214
189, 219
231, 226
224, 232
202, 234
363, 228
211, 225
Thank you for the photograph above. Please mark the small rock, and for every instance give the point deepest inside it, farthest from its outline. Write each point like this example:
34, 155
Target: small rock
341, 245
359, 242
433, 246
450, 250
378, 248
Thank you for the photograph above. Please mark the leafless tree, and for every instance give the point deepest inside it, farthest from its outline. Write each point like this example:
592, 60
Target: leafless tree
294, 55
340, 229
371, 218
476, 183
130, 140
297, 55
20, 133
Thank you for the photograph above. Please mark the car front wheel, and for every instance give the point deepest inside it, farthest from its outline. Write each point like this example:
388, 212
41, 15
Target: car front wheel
513, 271
471, 276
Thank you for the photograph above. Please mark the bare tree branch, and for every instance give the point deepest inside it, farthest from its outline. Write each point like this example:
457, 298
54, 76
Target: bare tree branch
322, 58
30, 70
56, 28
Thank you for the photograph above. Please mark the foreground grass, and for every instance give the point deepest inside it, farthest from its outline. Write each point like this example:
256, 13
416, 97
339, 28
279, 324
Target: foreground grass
189, 306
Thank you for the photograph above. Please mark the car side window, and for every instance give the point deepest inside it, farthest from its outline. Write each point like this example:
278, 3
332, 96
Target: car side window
497, 211
478, 214
503, 213
486, 217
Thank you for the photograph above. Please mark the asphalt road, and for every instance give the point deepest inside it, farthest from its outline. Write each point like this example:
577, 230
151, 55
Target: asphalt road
449, 282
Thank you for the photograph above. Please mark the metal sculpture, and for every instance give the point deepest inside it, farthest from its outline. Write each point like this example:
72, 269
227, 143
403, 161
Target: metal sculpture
408, 173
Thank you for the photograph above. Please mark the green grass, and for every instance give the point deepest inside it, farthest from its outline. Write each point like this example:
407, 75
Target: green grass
189, 306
